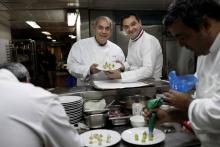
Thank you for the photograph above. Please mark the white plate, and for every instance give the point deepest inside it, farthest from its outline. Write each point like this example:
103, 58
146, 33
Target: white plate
115, 137
68, 99
128, 136
116, 66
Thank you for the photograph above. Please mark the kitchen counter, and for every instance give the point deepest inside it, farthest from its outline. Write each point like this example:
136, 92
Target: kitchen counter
179, 138
145, 90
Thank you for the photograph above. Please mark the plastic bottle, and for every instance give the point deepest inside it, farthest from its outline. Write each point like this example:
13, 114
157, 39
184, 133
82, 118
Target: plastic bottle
137, 107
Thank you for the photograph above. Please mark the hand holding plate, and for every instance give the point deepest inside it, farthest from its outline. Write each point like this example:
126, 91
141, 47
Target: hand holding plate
93, 69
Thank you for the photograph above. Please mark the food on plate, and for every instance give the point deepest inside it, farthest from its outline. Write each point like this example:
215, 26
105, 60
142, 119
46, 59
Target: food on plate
151, 137
143, 137
99, 139
136, 138
109, 66
108, 140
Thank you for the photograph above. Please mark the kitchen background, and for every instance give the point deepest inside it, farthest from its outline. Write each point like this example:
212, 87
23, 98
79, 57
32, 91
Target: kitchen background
19, 42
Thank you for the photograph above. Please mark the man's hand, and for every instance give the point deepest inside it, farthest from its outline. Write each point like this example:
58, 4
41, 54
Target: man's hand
122, 68
113, 74
179, 100
162, 116
93, 69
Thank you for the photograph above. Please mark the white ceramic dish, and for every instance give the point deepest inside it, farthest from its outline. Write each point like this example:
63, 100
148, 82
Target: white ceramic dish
129, 136
113, 65
137, 121
115, 137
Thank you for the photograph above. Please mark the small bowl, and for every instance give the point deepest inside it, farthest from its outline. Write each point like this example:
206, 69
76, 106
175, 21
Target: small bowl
137, 121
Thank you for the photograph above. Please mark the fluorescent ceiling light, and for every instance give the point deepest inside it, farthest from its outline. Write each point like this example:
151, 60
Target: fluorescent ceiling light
46, 33
33, 24
71, 18
72, 36
54, 40
49, 37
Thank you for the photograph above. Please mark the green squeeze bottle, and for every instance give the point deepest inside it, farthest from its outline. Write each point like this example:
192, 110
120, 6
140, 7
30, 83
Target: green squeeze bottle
152, 104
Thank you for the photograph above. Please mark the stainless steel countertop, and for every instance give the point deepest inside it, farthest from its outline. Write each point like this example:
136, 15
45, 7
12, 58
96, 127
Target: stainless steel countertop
179, 138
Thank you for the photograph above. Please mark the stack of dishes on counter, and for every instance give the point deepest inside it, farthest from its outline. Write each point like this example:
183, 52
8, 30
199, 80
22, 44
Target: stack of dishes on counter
73, 106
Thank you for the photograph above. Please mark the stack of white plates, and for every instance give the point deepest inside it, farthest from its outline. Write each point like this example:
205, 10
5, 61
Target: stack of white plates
73, 106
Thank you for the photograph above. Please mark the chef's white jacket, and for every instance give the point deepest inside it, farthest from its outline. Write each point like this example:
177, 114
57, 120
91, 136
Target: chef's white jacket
144, 59
32, 117
86, 52
204, 111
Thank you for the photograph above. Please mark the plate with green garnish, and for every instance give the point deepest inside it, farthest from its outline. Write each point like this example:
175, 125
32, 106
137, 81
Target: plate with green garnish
141, 136
100, 138
107, 66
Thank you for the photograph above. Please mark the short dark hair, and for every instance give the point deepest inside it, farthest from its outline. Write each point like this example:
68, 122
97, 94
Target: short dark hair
129, 15
18, 69
192, 12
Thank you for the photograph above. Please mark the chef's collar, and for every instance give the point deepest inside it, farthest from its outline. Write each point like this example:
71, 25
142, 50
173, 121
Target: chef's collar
215, 45
100, 43
139, 35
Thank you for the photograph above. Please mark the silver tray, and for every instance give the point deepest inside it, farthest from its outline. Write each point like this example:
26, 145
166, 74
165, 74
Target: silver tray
98, 111
116, 121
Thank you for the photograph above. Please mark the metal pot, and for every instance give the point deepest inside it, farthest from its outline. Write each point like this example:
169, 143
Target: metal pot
127, 101
96, 120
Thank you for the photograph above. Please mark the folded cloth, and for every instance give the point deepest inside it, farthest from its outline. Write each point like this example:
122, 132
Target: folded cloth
95, 105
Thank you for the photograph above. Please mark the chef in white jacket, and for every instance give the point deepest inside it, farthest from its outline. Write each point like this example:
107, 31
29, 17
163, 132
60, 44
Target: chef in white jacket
86, 54
196, 25
31, 116
144, 58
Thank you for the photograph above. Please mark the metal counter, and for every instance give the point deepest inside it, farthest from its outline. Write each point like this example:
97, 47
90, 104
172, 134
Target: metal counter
179, 138
90, 92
